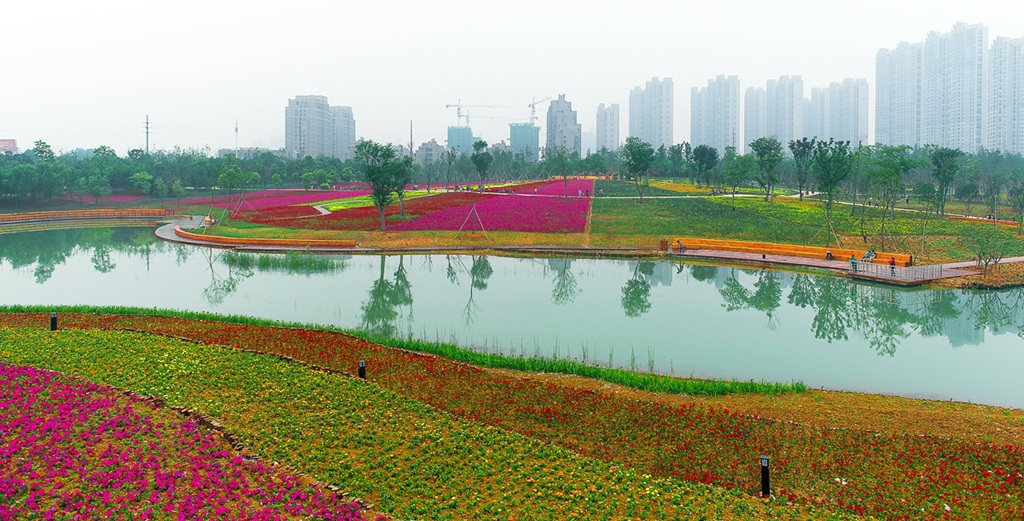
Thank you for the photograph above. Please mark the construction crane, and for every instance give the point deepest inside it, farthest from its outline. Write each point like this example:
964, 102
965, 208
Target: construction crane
459, 106
533, 109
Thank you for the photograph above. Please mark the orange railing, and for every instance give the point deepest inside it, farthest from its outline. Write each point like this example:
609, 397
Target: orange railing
792, 250
101, 213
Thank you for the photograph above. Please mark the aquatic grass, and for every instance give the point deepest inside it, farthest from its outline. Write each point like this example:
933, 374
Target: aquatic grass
292, 262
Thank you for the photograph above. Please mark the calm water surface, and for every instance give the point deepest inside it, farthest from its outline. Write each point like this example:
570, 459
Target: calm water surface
666, 317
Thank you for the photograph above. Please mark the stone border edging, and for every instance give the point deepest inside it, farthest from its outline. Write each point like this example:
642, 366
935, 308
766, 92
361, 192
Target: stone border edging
247, 241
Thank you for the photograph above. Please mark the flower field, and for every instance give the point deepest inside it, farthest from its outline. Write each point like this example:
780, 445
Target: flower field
361, 218
76, 449
407, 458
575, 186
510, 213
854, 471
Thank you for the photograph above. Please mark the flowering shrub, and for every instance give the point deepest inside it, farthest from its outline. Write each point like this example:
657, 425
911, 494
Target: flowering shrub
510, 213
72, 448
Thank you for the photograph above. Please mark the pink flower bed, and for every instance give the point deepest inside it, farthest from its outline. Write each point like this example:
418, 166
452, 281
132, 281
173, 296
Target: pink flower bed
513, 213
234, 194
558, 188
264, 203
76, 450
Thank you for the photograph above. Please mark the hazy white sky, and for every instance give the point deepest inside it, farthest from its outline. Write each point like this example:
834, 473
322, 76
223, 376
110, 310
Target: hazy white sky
79, 74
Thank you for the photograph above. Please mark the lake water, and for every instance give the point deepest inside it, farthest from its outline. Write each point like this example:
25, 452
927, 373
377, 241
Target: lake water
668, 317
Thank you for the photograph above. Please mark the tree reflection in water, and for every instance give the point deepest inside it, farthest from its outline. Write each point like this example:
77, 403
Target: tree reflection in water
565, 288
884, 316
380, 310
636, 293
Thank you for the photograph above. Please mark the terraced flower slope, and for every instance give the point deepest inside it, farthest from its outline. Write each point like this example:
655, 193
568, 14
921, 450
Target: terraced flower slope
890, 475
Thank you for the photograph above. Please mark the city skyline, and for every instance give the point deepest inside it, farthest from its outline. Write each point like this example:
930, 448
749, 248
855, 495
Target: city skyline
91, 74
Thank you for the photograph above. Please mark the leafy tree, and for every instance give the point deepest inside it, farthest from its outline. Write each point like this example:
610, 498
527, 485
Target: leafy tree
142, 181
558, 163
677, 155
803, 151
177, 190
636, 156
768, 153
832, 163
482, 160
989, 245
705, 158
1015, 197
926, 193
401, 178
378, 171
449, 157
737, 170
308, 180
230, 178
945, 169
278, 181
893, 165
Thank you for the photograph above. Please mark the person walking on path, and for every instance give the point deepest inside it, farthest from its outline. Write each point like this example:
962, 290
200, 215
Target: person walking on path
892, 266
853, 263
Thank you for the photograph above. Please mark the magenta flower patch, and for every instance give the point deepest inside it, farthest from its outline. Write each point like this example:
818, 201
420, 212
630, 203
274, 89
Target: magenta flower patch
516, 213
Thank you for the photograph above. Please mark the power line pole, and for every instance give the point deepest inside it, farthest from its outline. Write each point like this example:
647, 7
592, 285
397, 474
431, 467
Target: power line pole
410, 138
147, 134
236, 138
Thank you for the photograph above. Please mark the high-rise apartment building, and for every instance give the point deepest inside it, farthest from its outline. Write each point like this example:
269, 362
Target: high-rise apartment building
608, 127
461, 139
755, 116
816, 114
525, 139
848, 111
898, 112
344, 133
953, 98
314, 128
785, 109
650, 112
715, 114
1006, 96
563, 130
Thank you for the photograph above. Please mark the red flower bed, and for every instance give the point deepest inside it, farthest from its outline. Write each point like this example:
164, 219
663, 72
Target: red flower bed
510, 213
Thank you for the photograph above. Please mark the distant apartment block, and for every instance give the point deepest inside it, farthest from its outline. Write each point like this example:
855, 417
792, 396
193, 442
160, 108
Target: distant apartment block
848, 111
562, 129
715, 114
608, 127
429, 152
1006, 96
898, 95
953, 87
785, 108
525, 140
461, 139
816, 114
755, 116
8, 145
651, 112
315, 128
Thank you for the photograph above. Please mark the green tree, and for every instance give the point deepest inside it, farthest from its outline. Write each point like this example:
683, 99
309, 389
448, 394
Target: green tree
230, 178
142, 182
803, 151
945, 169
379, 172
832, 162
705, 158
401, 178
449, 157
738, 170
636, 156
482, 160
558, 163
768, 153
1015, 196
892, 167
